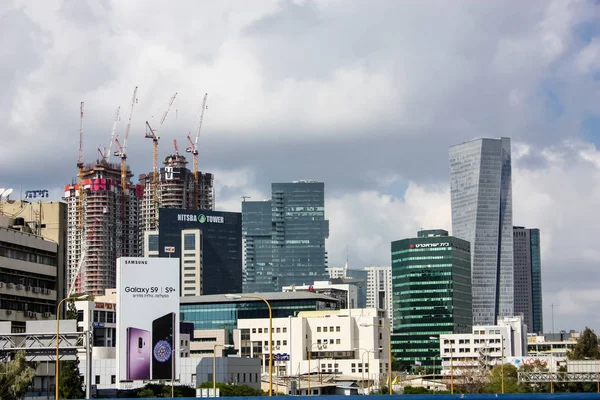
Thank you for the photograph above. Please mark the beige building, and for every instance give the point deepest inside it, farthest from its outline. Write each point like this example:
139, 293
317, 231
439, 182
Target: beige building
28, 277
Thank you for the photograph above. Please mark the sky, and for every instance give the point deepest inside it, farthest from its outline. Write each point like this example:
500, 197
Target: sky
364, 96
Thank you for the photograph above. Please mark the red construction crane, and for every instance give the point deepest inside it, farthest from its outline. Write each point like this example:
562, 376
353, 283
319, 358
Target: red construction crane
193, 148
176, 147
151, 134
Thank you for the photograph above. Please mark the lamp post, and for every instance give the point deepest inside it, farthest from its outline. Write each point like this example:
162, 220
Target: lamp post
368, 365
236, 296
56, 368
502, 364
436, 339
310, 351
225, 346
389, 351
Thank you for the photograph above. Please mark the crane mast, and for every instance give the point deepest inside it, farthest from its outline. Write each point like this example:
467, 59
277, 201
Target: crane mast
151, 134
80, 171
193, 148
122, 152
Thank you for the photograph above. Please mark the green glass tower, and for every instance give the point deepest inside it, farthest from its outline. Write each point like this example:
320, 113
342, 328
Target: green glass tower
431, 285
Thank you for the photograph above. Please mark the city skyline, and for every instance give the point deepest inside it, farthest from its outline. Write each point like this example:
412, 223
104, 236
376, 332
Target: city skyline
297, 91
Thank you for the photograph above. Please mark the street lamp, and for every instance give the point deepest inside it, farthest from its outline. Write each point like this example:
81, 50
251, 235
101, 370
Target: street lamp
225, 346
237, 296
502, 364
436, 339
389, 350
367, 352
56, 368
322, 346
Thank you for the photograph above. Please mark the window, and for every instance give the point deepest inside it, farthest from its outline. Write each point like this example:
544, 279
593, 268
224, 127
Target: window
324, 329
284, 330
152, 243
97, 379
189, 241
318, 329
253, 330
113, 379
285, 342
278, 330
338, 341
337, 328
259, 330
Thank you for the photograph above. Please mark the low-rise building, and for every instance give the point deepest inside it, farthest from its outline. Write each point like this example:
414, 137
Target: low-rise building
345, 293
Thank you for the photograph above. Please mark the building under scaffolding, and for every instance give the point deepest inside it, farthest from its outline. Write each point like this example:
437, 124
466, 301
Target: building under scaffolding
109, 227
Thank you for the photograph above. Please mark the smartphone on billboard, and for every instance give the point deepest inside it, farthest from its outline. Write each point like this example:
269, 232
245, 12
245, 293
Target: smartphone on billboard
138, 354
163, 346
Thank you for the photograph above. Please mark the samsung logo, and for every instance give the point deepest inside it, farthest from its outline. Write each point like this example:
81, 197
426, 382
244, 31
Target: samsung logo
136, 262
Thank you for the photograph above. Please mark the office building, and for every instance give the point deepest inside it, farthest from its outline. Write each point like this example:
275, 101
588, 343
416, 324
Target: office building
481, 197
28, 277
379, 289
353, 276
528, 278
346, 294
285, 237
176, 189
431, 280
340, 342
209, 246
47, 219
102, 226
215, 317
477, 352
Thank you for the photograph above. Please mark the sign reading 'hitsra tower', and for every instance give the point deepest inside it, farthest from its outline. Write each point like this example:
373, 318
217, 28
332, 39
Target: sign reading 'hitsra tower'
201, 218
209, 244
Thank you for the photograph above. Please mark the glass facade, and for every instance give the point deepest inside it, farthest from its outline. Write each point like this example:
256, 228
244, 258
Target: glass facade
285, 237
221, 245
528, 278
481, 198
431, 291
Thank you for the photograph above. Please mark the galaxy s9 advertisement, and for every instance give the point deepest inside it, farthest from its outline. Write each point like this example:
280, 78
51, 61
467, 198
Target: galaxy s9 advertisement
147, 318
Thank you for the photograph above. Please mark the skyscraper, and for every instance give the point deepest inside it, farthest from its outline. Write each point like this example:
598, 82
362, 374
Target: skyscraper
528, 278
285, 237
481, 196
379, 289
431, 277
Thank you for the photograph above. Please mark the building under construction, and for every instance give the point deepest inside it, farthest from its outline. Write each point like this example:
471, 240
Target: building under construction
176, 189
102, 226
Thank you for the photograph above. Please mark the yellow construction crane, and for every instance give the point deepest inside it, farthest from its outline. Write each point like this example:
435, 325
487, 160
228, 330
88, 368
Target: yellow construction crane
151, 134
193, 148
80, 171
122, 152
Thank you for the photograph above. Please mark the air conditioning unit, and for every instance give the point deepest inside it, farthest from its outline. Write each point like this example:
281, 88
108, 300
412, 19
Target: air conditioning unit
8, 312
37, 289
47, 314
46, 291
10, 285
1, 284
20, 287
29, 313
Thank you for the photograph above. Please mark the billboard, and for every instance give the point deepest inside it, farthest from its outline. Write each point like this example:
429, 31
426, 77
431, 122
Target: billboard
147, 318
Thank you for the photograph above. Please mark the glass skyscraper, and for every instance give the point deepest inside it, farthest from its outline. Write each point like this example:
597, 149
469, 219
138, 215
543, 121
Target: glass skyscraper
285, 237
528, 278
431, 295
481, 198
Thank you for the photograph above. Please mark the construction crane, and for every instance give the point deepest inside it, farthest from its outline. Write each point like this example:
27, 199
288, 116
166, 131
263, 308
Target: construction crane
122, 152
84, 253
193, 148
106, 153
151, 134
176, 147
80, 171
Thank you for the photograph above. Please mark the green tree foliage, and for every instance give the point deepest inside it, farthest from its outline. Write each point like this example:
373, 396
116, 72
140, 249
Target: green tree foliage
533, 387
227, 390
15, 376
153, 390
511, 381
71, 382
586, 347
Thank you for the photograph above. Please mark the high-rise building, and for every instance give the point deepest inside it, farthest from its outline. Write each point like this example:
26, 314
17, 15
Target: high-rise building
29, 274
431, 277
379, 289
209, 246
176, 189
47, 219
106, 226
285, 237
528, 278
481, 196
354, 276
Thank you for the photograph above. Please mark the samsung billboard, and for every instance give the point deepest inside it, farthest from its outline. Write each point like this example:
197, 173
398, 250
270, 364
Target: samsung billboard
147, 318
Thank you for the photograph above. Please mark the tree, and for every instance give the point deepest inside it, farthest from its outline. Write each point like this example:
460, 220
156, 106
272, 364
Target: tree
15, 376
227, 390
534, 387
511, 380
586, 347
153, 390
71, 381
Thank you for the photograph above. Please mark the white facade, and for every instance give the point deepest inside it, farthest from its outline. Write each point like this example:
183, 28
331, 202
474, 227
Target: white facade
336, 339
336, 272
379, 289
350, 292
485, 347
191, 262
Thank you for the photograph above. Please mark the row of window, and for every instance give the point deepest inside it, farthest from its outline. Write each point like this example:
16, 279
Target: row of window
266, 330
23, 253
324, 329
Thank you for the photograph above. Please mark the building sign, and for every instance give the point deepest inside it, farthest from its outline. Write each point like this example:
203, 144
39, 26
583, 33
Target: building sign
147, 318
169, 249
106, 306
201, 218
169, 173
429, 245
32, 194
